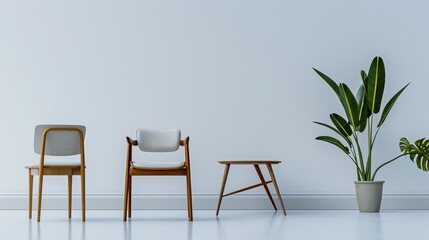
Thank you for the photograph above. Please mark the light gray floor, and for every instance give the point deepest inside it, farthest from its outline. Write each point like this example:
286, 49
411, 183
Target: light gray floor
243, 224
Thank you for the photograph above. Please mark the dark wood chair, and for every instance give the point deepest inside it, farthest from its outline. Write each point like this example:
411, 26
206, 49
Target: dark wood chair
149, 140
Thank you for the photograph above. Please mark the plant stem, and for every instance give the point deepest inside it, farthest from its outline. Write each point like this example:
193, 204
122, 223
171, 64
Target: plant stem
370, 143
355, 159
384, 164
358, 170
375, 136
360, 156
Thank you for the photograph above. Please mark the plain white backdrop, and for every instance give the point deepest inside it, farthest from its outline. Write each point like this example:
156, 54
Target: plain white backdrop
236, 76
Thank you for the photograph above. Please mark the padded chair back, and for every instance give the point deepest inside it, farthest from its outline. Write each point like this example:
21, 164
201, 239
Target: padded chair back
58, 143
165, 140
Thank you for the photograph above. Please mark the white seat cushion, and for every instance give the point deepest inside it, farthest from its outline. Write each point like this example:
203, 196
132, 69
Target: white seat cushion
57, 163
158, 165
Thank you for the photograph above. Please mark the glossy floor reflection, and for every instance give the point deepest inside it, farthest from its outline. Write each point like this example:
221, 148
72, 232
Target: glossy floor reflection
229, 225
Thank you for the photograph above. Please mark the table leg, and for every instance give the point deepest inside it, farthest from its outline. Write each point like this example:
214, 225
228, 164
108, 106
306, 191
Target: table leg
222, 188
261, 177
270, 170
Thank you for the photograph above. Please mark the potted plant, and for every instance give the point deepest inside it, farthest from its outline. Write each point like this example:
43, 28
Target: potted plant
360, 119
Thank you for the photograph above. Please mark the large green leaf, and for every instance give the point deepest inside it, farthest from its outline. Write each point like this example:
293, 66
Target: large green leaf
329, 81
341, 124
362, 108
335, 130
419, 152
389, 105
350, 105
335, 142
364, 77
376, 81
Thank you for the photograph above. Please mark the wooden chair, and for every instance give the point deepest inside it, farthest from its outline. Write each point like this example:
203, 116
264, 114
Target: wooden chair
157, 141
58, 140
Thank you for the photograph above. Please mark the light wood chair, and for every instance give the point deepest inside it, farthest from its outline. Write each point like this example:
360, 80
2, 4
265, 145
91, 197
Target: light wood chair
57, 140
157, 141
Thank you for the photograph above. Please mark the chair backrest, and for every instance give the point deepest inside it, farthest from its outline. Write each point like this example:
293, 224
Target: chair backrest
58, 143
162, 140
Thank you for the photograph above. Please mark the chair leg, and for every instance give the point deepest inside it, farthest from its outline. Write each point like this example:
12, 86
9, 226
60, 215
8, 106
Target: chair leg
270, 170
82, 179
130, 189
39, 203
70, 182
222, 188
189, 191
126, 194
30, 194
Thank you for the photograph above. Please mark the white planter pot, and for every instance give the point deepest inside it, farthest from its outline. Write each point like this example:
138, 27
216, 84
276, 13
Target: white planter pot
369, 194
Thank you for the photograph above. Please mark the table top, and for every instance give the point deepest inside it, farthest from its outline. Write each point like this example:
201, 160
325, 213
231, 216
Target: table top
248, 162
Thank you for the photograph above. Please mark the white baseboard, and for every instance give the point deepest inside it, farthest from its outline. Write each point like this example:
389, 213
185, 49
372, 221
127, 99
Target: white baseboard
209, 201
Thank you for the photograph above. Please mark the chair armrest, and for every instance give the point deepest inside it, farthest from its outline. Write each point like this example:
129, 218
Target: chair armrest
131, 141
185, 141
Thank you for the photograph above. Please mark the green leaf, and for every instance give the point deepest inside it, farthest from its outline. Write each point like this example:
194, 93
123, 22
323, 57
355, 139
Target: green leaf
335, 130
422, 157
404, 145
389, 105
362, 108
341, 124
419, 152
364, 77
329, 81
334, 142
350, 105
376, 81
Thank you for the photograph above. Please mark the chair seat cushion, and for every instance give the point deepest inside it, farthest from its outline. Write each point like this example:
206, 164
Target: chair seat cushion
158, 165
57, 163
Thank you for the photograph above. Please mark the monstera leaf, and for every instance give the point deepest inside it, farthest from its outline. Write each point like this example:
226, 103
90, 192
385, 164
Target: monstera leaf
419, 152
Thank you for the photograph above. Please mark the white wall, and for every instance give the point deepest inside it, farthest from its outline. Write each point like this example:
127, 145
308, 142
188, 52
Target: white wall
234, 75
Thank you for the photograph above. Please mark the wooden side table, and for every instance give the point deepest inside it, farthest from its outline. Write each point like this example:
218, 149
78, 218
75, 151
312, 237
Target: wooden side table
263, 183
